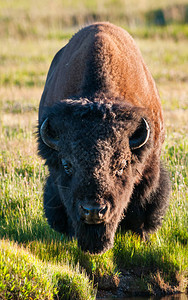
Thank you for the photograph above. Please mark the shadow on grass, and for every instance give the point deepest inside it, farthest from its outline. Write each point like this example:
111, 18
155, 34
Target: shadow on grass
153, 264
146, 263
129, 251
45, 243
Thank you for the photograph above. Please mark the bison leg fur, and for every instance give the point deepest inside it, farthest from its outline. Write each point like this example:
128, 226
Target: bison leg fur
54, 209
158, 203
145, 216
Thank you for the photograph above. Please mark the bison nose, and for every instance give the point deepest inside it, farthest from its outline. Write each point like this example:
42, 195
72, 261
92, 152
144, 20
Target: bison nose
93, 214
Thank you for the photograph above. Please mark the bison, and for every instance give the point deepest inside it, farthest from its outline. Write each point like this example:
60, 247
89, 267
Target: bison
100, 132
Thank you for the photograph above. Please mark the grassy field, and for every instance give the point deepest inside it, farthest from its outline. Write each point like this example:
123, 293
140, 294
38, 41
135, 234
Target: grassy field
35, 261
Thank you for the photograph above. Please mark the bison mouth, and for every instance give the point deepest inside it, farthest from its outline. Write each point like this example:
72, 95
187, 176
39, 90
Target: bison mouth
95, 238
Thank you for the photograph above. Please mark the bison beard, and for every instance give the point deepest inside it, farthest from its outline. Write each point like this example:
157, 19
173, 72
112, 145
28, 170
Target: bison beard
100, 132
95, 238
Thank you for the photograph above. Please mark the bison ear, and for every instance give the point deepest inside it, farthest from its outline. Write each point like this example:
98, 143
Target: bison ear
140, 136
46, 137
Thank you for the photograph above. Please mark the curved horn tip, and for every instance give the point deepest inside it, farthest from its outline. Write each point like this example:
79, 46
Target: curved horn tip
49, 141
143, 139
148, 131
43, 129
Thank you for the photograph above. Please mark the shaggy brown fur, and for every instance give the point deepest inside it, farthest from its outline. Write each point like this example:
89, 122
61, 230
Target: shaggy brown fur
97, 92
103, 58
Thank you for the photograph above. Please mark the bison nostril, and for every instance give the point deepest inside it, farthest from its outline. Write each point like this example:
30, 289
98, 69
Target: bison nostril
102, 212
85, 211
93, 214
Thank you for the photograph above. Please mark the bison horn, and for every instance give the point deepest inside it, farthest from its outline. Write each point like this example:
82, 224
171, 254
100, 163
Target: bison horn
47, 139
141, 136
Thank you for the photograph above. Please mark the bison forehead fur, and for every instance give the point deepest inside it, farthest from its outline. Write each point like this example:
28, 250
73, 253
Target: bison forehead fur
100, 132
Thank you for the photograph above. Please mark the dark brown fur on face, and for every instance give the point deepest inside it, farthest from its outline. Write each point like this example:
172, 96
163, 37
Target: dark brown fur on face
86, 140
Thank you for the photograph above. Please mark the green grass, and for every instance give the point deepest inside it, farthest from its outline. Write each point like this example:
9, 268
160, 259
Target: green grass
35, 261
50, 20
23, 276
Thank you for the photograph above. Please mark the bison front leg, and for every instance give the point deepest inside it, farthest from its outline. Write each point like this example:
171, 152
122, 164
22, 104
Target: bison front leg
158, 203
144, 216
54, 209
142, 233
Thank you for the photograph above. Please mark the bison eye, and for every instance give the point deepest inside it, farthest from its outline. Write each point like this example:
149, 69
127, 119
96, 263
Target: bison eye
67, 167
119, 172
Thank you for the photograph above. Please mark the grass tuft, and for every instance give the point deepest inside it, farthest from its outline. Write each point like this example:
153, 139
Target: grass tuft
23, 276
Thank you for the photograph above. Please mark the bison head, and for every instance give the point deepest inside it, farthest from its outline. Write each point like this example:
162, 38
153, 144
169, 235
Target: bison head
96, 152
